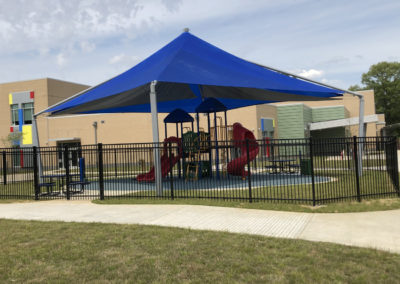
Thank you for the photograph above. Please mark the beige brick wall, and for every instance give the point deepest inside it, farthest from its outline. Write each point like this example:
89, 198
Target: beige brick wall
127, 128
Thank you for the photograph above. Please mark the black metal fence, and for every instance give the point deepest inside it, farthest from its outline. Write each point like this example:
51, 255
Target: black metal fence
309, 171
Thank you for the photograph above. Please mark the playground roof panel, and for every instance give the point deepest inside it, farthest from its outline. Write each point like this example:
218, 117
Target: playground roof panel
178, 115
211, 105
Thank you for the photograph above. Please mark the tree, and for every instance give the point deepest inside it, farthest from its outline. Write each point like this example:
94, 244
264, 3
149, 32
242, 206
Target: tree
384, 79
12, 139
356, 88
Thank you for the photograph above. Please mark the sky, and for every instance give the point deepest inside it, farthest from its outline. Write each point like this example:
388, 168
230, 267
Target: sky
90, 41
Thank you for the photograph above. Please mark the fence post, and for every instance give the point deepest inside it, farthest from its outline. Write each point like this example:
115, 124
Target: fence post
395, 168
170, 173
67, 175
357, 168
101, 172
248, 170
4, 168
312, 171
348, 154
35, 173
115, 163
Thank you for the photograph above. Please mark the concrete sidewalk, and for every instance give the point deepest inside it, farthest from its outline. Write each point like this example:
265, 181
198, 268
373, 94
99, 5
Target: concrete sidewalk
379, 230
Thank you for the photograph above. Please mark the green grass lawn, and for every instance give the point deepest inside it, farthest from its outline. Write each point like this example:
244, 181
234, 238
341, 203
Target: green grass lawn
287, 197
57, 252
341, 187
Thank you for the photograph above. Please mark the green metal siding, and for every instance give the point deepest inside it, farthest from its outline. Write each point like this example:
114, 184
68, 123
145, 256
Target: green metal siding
329, 133
290, 121
307, 117
332, 148
328, 113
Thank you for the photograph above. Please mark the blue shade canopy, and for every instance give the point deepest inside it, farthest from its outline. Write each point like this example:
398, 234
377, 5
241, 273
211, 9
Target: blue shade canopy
188, 70
211, 105
177, 116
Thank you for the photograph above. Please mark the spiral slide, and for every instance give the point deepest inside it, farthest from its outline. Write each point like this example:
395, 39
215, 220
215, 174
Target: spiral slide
240, 134
167, 163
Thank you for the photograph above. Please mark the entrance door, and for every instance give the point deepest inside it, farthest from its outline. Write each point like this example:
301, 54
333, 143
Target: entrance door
74, 150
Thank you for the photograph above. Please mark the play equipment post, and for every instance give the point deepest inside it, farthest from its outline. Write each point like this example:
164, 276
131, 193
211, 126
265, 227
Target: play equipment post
216, 145
171, 171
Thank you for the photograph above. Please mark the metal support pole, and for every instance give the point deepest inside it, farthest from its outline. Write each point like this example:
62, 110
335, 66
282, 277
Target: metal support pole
361, 135
101, 171
356, 152
35, 173
171, 177
95, 132
312, 171
209, 143
248, 170
37, 142
181, 130
216, 145
198, 123
156, 139
180, 163
67, 173
226, 138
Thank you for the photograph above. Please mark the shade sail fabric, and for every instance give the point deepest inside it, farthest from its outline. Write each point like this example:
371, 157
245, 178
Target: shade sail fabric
178, 115
188, 70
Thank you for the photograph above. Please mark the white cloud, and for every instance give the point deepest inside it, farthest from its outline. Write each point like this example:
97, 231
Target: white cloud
61, 60
312, 73
87, 46
123, 59
93, 40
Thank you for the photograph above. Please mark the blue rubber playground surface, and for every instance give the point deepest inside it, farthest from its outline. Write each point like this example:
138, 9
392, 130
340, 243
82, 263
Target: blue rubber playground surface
209, 183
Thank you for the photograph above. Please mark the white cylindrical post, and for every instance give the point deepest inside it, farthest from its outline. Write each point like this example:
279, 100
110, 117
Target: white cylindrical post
154, 121
37, 142
361, 134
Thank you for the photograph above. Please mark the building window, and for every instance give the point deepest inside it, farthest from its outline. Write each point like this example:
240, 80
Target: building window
27, 109
14, 114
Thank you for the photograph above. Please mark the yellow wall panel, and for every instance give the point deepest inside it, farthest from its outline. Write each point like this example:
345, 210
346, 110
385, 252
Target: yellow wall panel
27, 134
10, 100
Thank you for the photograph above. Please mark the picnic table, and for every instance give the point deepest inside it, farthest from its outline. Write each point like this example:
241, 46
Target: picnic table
283, 166
49, 181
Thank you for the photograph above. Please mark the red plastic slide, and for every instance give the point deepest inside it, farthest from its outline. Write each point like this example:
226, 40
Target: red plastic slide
167, 163
240, 134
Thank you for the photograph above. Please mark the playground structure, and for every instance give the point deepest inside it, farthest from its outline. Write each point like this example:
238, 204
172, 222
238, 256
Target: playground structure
197, 152
168, 160
244, 140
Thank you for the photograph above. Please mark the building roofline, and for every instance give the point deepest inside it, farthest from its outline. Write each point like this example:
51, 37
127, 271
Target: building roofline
41, 79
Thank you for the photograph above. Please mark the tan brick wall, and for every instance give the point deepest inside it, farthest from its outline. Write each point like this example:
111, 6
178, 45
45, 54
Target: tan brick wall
127, 128
40, 102
47, 92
